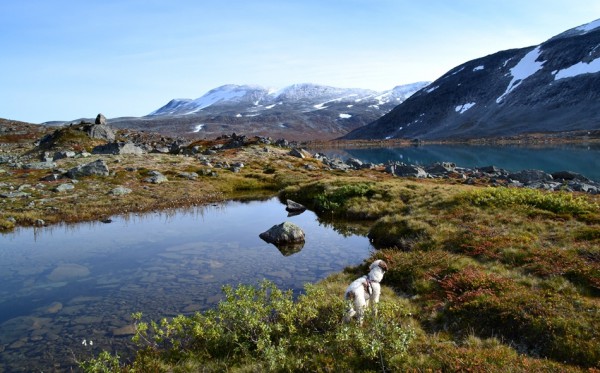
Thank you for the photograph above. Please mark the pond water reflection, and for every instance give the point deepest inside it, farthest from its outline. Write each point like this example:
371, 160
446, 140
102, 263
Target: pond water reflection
65, 285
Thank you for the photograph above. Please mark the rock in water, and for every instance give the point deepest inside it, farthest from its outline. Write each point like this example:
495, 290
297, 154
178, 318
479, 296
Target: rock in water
283, 234
292, 206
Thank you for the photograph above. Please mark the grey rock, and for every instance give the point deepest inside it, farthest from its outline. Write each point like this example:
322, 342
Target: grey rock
39, 166
97, 167
403, 170
63, 154
292, 206
282, 234
569, 175
100, 119
584, 187
120, 191
188, 175
100, 131
64, 187
117, 148
441, 168
156, 178
489, 169
300, 153
355, 163
160, 150
336, 164
530, 176
14, 195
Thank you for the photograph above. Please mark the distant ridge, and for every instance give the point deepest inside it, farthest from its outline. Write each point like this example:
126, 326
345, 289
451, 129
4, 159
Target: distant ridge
551, 87
300, 111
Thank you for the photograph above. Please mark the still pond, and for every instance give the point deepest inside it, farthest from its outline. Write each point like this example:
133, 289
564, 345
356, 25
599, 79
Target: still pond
68, 291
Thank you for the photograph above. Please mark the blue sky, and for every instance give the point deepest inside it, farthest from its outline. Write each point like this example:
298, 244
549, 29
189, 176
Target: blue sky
68, 59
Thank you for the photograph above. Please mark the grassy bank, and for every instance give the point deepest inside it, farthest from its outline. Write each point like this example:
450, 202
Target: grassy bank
481, 279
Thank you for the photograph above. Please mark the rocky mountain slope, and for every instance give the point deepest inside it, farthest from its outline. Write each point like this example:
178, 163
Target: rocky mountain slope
297, 112
551, 87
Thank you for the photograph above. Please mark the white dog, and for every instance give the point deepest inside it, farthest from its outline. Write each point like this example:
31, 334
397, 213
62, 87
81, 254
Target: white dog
364, 289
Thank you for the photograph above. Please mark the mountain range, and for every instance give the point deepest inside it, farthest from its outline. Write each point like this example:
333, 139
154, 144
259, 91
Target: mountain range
297, 112
551, 87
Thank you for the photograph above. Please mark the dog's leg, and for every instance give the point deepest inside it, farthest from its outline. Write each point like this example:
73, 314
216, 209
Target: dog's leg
360, 304
376, 294
349, 313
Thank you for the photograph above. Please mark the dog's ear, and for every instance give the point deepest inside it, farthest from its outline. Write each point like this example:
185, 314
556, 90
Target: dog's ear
383, 265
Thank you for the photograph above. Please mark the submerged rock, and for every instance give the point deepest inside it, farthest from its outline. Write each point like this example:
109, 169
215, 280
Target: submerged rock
68, 271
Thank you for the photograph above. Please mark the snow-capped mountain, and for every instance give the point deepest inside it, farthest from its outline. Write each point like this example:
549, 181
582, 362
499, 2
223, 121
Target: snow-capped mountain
299, 111
225, 95
551, 87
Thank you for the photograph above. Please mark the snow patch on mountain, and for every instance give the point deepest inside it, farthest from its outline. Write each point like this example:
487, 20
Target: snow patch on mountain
578, 69
345, 116
302, 98
462, 108
225, 93
525, 68
589, 26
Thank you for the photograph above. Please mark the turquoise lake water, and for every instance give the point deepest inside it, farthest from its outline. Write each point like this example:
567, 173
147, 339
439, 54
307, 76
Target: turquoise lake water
583, 159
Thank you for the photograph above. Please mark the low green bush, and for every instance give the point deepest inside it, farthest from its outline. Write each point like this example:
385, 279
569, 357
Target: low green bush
264, 328
556, 202
400, 231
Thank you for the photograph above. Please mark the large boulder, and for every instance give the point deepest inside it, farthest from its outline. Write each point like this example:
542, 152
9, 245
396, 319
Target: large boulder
300, 153
403, 170
285, 233
100, 131
441, 168
100, 119
117, 148
530, 176
568, 175
97, 167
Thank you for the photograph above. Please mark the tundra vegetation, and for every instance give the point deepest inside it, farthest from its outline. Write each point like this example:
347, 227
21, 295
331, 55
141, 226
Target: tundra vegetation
480, 278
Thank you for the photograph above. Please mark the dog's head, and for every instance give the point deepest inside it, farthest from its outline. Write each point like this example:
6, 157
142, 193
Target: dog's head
379, 263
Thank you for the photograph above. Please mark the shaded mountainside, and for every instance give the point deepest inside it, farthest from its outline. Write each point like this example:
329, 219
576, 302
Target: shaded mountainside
297, 112
552, 87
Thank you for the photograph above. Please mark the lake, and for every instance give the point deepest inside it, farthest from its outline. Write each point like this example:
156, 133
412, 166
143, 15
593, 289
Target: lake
70, 290
583, 159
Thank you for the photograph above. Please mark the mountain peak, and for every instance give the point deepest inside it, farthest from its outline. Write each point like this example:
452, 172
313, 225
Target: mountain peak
579, 30
554, 86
